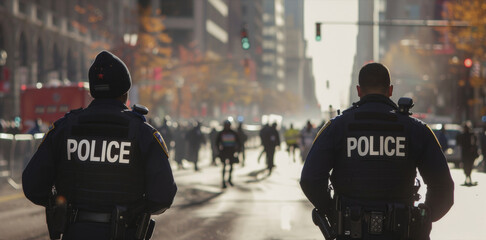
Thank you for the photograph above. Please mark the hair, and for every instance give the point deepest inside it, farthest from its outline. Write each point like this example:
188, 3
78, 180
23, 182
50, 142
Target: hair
374, 76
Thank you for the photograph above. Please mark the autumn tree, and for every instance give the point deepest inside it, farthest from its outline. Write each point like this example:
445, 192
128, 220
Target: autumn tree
151, 54
471, 38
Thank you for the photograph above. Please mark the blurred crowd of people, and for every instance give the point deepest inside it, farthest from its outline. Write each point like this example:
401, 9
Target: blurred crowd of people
15, 126
185, 139
9, 126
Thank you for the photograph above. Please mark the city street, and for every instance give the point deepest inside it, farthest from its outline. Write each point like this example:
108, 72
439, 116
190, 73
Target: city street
258, 207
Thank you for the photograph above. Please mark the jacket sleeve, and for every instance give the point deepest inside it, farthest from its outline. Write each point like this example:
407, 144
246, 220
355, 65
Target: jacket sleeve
314, 179
435, 172
39, 174
160, 185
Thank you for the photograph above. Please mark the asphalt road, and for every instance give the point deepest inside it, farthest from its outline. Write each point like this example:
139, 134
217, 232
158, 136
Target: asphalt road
258, 207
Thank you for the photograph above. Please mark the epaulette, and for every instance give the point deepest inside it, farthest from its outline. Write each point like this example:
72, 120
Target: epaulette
354, 106
60, 120
72, 111
139, 111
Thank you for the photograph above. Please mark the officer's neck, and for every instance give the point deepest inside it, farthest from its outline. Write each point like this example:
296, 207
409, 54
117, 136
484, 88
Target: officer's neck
376, 98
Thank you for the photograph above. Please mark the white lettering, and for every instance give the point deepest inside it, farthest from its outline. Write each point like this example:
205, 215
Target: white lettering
72, 145
108, 154
352, 144
366, 146
103, 152
362, 151
400, 146
389, 152
80, 148
372, 151
124, 152
84, 149
381, 145
92, 157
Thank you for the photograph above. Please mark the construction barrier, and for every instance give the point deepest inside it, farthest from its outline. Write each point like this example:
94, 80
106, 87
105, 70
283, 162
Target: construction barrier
15, 152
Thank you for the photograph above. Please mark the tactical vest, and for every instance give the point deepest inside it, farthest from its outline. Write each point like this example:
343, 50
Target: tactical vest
100, 164
374, 162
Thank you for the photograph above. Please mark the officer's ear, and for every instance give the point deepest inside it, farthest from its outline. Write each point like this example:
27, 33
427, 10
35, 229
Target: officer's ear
390, 91
360, 92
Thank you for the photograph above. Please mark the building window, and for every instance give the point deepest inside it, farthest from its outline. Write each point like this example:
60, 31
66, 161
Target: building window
217, 32
220, 6
267, 70
39, 13
177, 8
269, 44
22, 7
23, 50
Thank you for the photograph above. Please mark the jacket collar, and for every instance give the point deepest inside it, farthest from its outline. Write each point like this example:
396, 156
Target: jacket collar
108, 101
375, 98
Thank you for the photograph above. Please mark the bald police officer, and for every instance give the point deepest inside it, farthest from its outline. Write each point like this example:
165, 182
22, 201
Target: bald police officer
101, 171
373, 151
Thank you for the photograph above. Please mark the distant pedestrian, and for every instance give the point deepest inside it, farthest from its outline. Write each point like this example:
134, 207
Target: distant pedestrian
271, 140
214, 148
442, 137
262, 133
469, 152
180, 146
229, 145
195, 139
307, 136
37, 128
166, 131
243, 137
291, 136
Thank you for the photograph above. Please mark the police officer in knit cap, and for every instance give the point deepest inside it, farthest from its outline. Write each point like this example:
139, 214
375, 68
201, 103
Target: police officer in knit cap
101, 171
374, 150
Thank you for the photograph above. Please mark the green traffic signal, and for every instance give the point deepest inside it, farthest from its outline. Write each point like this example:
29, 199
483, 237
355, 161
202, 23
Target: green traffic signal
318, 31
245, 43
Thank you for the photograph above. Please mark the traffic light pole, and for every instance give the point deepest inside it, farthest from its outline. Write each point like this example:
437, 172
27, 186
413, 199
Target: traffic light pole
395, 23
403, 23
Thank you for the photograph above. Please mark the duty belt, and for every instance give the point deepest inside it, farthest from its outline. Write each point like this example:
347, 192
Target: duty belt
86, 216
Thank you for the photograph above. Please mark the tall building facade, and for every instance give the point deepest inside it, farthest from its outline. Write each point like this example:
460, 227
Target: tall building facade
416, 55
54, 41
365, 44
202, 26
273, 70
252, 15
295, 46
299, 77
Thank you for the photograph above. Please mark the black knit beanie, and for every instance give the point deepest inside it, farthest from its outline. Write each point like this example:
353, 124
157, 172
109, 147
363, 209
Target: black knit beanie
108, 76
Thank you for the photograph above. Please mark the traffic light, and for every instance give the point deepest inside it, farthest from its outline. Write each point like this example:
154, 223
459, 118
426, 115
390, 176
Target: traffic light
245, 42
318, 32
468, 62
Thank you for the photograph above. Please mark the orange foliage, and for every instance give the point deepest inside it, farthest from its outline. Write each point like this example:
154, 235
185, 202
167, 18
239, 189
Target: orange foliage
471, 38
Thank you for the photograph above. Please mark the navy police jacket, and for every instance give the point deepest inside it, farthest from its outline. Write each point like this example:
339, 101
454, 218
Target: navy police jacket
100, 157
373, 152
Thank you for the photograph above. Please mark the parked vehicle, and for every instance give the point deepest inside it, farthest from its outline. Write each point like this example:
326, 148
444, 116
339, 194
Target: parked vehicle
51, 103
452, 151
